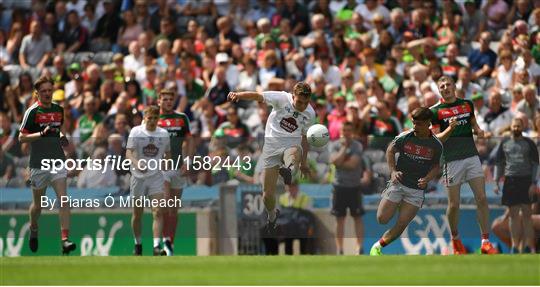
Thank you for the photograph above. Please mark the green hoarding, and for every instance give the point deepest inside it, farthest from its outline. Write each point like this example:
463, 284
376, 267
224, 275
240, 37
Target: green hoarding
96, 234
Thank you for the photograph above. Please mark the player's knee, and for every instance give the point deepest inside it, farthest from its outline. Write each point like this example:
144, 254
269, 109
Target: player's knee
453, 206
382, 219
481, 200
158, 212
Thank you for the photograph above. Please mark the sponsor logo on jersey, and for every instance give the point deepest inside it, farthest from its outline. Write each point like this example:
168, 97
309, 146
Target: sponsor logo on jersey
454, 111
47, 118
418, 151
288, 124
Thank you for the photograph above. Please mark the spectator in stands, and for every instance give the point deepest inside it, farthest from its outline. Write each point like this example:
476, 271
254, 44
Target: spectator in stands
482, 60
382, 126
497, 116
504, 71
89, 20
9, 133
329, 71
298, 14
248, 78
97, 178
90, 119
129, 31
107, 28
13, 43
466, 84
217, 94
450, 63
270, 69
337, 116
36, 48
7, 169
76, 36
397, 24
530, 104
496, 12
234, 130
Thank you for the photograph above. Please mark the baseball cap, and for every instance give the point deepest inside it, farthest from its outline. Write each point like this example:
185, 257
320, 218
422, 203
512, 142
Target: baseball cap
74, 67
222, 57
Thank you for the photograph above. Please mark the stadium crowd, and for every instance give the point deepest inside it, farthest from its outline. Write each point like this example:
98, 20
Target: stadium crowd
369, 62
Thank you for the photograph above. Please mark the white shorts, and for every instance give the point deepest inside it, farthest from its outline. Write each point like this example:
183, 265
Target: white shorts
396, 192
42, 178
460, 171
146, 186
274, 158
174, 178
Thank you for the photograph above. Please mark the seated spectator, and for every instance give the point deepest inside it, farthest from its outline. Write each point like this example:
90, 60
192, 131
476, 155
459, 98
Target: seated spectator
270, 69
530, 103
330, 72
497, 116
97, 178
129, 31
36, 48
504, 71
234, 130
482, 60
7, 169
76, 36
337, 117
217, 94
381, 126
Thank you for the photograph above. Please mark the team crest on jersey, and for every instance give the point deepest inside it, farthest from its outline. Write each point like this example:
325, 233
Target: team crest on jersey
288, 124
150, 150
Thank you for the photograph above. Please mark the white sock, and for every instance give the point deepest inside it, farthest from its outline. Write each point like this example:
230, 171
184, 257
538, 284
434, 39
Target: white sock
377, 244
138, 240
485, 241
157, 241
167, 239
272, 215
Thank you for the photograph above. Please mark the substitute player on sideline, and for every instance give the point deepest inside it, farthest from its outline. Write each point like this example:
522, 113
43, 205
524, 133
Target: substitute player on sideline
285, 145
147, 143
461, 161
41, 127
417, 164
517, 160
178, 127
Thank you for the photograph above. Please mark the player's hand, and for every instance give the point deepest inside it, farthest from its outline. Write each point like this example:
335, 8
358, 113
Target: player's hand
304, 169
396, 176
48, 130
422, 183
233, 97
453, 122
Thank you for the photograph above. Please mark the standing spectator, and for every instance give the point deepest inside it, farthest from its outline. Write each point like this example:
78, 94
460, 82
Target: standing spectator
36, 48
517, 160
351, 174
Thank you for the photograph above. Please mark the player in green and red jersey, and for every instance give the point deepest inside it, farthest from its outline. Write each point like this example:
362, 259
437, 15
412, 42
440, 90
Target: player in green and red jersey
461, 161
41, 127
177, 125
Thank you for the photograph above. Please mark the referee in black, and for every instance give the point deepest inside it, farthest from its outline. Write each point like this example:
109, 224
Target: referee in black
517, 160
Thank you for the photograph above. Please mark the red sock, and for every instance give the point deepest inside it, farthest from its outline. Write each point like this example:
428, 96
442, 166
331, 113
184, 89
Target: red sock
173, 221
485, 236
65, 234
382, 242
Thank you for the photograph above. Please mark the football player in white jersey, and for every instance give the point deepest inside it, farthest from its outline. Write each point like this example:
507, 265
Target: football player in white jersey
285, 144
148, 143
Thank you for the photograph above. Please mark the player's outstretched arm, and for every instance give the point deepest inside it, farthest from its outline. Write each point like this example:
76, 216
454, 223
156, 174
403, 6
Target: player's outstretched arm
249, 96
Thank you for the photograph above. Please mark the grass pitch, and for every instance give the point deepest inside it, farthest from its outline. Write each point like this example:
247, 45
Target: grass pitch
275, 270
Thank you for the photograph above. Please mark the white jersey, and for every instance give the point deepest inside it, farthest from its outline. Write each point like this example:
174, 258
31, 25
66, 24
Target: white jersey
148, 145
285, 125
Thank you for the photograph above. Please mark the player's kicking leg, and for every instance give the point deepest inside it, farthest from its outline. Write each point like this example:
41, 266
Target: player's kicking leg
407, 212
270, 177
59, 185
478, 187
291, 161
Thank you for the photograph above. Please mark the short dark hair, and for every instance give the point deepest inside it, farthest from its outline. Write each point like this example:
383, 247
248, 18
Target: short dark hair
167, 92
421, 114
302, 89
42, 80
